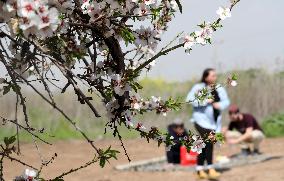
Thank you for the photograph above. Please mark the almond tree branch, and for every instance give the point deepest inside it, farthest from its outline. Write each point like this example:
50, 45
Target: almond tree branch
26, 129
63, 113
75, 169
17, 160
165, 51
13, 78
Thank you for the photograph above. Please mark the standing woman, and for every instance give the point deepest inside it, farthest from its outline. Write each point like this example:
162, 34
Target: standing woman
207, 118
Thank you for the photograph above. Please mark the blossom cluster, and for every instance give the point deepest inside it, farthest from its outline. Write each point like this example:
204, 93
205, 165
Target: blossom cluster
35, 17
82, 40
198, 144
204, 35
47, 18
136, 105
194, 142
107, 14
28, 175
154, 103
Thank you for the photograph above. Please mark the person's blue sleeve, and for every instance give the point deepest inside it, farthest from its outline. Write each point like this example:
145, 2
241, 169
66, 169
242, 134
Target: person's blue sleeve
191, 98
224, 99
219, 125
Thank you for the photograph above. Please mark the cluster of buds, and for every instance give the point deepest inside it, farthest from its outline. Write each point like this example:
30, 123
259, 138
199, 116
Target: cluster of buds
120, 86
193, 142
198, 144
204, 35
154, 103
28, 175
232, 81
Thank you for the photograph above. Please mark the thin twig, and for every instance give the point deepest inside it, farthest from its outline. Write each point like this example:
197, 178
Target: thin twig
26, 129
17, 160
74, 169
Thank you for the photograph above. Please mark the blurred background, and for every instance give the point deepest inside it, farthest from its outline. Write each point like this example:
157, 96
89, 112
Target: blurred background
250, 45
258, 92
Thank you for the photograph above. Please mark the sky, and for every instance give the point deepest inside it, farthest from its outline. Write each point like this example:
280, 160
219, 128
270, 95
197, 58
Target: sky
251, 38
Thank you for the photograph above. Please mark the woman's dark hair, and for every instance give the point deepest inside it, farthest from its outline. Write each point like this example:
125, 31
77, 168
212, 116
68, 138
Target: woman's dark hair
205, 74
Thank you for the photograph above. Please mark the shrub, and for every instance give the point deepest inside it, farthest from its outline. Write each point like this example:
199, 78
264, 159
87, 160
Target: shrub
273, 126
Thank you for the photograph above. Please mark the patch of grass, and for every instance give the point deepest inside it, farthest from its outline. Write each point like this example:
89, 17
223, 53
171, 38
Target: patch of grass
58, 128
274, 126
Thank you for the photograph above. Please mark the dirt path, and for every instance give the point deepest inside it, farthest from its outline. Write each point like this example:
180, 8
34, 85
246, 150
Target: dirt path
73, 153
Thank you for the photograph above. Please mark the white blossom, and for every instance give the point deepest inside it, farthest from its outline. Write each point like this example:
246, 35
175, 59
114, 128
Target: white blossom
32, 68
26, 8
48, 23
136, 106
146, 37
142, 11
29, 175
141, 127
119, 86
198, 144
34, 17
111, 107
233, 83
149, 2
204, 34
154, 102
224, 13
188, 41
174, 5
128, 118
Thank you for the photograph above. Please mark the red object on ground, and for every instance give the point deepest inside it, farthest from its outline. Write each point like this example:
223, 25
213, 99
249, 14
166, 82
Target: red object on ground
187, 159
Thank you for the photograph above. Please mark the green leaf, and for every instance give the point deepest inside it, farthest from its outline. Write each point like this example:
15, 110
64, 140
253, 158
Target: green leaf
9, 140
234, 77
220, 137
6, 89
12, 139
173, 104
6, 141
127, 36
179, 5
106, 155
136, 86
102, 162
156, 12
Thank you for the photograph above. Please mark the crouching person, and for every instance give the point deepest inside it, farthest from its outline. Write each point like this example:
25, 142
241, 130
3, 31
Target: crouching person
244, 130
177, 131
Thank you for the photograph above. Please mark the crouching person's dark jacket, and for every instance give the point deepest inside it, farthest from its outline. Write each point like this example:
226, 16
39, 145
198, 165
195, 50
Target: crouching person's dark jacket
173, 155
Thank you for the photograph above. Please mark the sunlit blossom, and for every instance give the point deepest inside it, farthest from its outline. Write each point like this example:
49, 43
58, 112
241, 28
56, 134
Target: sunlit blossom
224, 13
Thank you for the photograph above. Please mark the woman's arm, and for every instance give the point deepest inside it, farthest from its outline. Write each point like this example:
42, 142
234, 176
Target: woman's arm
221, 105
224, 99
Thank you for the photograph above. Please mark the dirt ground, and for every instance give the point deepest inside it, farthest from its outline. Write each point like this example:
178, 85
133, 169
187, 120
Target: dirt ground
73, 153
